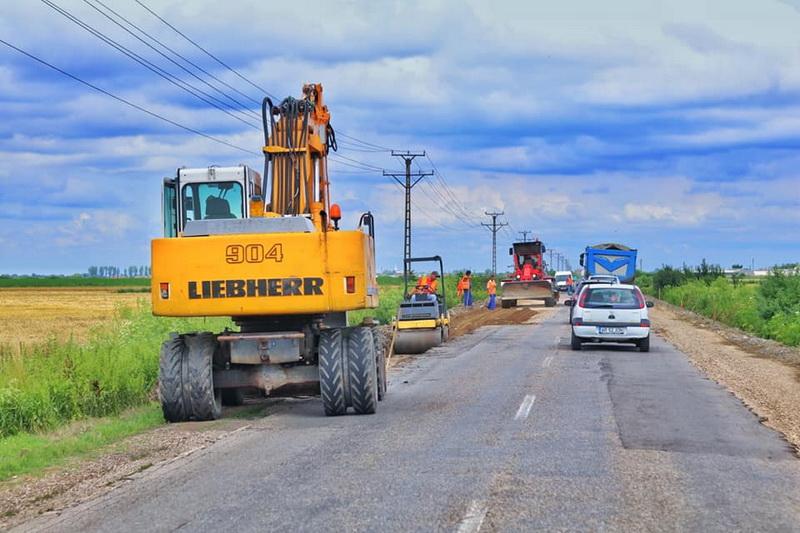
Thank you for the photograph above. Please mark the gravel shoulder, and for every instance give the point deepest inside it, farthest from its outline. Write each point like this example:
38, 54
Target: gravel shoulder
26, 497
763, 374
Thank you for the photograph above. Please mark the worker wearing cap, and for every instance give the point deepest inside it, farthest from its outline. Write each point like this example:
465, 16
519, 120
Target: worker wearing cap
428, 284
491, 289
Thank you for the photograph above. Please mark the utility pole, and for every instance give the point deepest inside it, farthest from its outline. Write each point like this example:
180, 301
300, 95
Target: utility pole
494, 227
408, 157
525, 235
550, 263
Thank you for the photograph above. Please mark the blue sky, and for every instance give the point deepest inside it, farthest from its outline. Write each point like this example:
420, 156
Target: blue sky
673, 127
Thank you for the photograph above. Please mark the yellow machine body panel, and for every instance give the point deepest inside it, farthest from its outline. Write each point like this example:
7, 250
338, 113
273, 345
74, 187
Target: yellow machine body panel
263, 274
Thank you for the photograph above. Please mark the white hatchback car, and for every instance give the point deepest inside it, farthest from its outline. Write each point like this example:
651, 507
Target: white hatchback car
611, 313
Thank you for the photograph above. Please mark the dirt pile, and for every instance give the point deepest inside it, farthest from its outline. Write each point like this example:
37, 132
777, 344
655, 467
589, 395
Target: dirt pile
464, 321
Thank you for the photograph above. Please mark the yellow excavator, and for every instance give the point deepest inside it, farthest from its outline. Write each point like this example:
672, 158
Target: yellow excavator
272, 256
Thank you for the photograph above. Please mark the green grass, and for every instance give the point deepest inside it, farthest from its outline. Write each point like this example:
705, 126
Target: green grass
769, 309
71, 281
27, 453
45, 386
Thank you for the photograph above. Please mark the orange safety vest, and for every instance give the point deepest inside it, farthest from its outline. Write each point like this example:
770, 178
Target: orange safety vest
427, 284
464, 283
491, 287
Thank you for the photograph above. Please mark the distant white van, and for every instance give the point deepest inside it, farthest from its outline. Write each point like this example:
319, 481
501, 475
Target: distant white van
563, 278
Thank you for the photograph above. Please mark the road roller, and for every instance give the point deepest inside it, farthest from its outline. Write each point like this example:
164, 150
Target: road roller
423, 320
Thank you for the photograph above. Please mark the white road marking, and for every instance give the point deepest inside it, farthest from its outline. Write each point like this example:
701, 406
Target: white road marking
547, 361
473, 520
525, 407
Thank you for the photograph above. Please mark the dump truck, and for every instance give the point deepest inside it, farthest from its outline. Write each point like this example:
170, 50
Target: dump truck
611, 259
271, 255
423, 319
529, 280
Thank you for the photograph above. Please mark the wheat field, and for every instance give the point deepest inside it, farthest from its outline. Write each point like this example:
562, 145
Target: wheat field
33, 315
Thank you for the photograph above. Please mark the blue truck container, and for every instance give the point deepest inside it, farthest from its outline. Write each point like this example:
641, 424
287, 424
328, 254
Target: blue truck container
610, 258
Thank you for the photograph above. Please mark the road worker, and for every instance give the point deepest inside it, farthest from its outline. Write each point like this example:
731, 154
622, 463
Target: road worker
428, 284
491, 289
466, 287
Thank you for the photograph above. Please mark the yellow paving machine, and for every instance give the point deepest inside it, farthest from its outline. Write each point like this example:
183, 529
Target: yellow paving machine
272, 256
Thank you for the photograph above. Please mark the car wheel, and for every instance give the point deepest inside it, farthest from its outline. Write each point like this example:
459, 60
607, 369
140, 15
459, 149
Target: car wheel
644, 344
576, 342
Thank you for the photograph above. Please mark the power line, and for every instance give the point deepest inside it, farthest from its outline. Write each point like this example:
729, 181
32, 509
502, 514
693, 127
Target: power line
185, 86
209, 54
198, 67
242, 76
126, 102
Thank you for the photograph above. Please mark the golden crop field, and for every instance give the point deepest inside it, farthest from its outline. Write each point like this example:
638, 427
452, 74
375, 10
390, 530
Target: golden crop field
31, 315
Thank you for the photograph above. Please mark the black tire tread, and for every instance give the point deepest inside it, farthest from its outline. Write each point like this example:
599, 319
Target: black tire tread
362, 371
170, 379
331, 372
206, 403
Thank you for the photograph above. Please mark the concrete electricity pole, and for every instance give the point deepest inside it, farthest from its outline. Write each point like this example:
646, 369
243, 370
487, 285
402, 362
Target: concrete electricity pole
494, 227
408, 157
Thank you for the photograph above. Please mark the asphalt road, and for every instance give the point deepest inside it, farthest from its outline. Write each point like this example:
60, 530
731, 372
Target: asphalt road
505, 429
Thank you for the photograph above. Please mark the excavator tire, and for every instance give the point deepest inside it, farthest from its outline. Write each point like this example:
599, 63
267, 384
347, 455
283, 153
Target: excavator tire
331, 372
506, 304
380, 360
205, 400
362, 371
170, 381
549, 302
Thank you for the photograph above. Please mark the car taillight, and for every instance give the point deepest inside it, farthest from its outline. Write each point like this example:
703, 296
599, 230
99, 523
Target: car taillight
577, 321
350, 284
644, 323
582, 299
640, 298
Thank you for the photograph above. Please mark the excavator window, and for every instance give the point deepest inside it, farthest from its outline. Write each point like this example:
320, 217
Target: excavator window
207, 201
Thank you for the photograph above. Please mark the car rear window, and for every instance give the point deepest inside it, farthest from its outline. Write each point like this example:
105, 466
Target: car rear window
561, 277
611, 298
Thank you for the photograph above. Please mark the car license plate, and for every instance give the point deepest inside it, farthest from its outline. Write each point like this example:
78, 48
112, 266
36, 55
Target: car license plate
610, 331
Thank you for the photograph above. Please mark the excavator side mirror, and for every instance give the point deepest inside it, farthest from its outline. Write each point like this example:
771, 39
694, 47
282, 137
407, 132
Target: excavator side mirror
336, 215
510, 251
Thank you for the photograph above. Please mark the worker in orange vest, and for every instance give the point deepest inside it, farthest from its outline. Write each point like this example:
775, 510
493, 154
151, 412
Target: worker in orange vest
466, 288
491, 289
427, 284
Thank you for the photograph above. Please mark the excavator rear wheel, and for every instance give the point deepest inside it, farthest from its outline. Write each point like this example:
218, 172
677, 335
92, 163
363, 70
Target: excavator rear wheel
331, 372
505, 304
549, 302
362, 371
